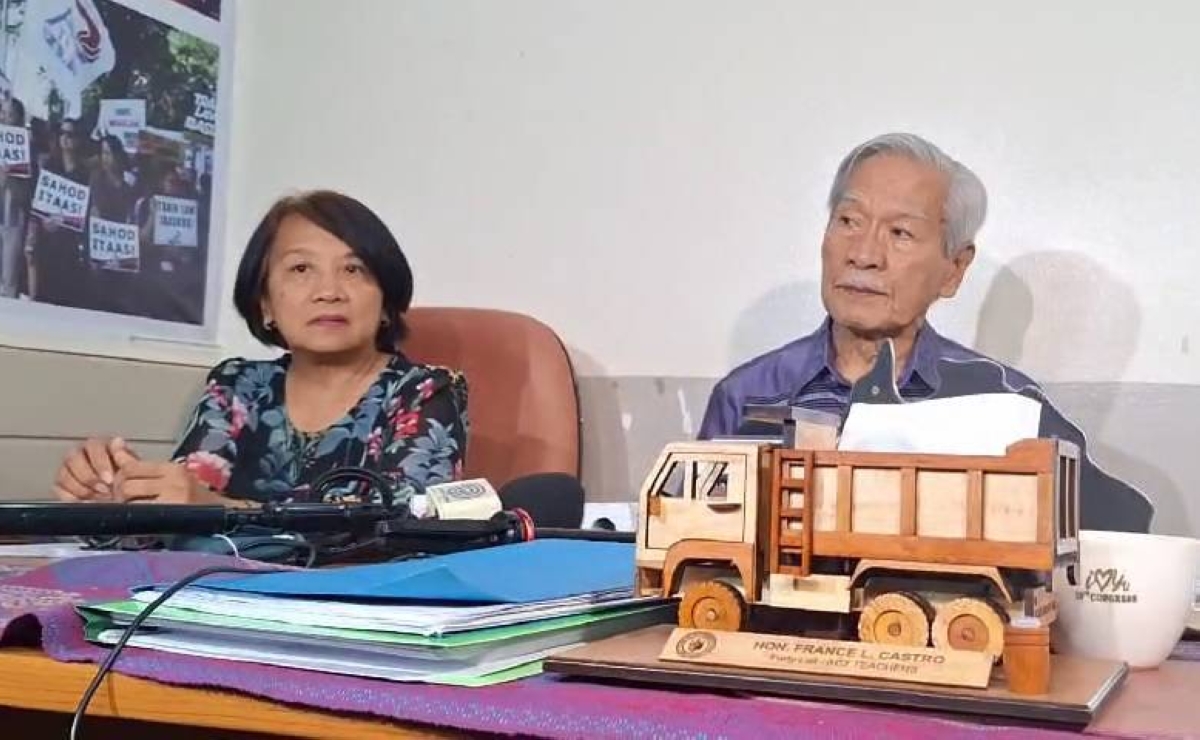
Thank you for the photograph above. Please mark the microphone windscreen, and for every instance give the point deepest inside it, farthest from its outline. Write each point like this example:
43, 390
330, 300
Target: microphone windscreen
550, 499
109, 519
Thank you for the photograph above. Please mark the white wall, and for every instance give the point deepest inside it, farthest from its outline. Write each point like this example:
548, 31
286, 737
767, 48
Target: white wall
648, 177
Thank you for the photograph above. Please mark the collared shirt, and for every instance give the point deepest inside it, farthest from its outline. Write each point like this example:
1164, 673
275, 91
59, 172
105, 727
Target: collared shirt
803, 374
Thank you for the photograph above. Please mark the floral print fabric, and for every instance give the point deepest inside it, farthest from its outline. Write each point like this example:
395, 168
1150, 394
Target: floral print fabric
410, 425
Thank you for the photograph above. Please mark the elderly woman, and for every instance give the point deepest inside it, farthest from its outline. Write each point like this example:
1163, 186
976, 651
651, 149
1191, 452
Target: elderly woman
323, 279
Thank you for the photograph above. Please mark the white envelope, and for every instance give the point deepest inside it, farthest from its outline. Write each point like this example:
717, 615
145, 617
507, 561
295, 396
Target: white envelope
983, 424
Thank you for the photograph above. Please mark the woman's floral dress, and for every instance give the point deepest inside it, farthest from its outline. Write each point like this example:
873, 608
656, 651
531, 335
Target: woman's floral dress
410, 425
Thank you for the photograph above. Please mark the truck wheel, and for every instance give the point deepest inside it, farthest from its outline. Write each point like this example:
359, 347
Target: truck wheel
969, 624
896, 618
713, 605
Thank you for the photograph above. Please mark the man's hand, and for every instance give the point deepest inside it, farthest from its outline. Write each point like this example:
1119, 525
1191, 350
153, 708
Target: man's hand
89, 472
161, 483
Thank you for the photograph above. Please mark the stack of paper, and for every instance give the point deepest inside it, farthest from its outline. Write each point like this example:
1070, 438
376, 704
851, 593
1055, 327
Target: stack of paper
981, 424
418, 619
469, 619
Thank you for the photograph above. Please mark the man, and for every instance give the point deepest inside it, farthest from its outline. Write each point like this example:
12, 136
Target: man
901, 234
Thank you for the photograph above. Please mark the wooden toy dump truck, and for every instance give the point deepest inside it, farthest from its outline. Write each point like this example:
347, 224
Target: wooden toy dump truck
912, 549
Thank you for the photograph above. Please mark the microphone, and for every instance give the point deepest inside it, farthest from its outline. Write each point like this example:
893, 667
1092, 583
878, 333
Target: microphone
552, 504
552, 500
60, 519
113, 519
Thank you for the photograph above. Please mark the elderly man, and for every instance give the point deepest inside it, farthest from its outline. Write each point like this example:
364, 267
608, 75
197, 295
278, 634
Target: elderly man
901, 234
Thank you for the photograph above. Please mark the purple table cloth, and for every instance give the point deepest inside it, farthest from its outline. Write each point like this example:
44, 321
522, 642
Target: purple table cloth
37, 604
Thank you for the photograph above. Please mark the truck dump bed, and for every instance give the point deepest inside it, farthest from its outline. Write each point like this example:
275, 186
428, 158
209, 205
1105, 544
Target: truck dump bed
1019, 510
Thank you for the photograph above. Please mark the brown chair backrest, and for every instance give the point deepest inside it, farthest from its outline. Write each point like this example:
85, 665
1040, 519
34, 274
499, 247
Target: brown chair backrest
523, 404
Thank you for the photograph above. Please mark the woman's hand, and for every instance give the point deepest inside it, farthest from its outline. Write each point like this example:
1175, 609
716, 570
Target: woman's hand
89, 472
162, 483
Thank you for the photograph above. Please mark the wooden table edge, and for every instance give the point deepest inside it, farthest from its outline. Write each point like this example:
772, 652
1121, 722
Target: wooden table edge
30, 680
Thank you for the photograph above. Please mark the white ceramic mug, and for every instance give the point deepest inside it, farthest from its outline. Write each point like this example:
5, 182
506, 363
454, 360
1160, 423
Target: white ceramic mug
1132, 598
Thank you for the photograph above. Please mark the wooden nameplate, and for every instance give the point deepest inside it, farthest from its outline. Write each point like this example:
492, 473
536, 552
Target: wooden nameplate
801, 655
1078, 686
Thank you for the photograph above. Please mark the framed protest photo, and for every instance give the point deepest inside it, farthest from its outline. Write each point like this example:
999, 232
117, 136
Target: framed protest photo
111, 143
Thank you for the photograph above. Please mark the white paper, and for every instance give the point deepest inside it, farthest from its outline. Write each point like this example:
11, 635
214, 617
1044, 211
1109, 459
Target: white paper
176, 221
52, 550
983, 424
124, 119
313, 656
421, 619
622, 515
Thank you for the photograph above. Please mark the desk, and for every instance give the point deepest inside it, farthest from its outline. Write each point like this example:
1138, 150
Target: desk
31, 681
1152, 704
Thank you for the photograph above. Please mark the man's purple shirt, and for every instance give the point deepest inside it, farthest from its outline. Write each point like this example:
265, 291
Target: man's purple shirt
802, 373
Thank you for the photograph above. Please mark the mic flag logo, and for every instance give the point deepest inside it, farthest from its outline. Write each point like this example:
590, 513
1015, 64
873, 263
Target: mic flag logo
1107, 585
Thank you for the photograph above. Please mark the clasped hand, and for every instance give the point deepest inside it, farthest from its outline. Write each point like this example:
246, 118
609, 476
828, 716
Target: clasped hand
108, 471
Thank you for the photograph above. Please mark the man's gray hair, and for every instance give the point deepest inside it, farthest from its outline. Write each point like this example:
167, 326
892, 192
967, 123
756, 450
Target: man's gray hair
966, 198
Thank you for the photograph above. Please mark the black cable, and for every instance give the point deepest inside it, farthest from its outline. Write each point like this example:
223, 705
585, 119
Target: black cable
111, 659
312, 553
293, 541
375, 482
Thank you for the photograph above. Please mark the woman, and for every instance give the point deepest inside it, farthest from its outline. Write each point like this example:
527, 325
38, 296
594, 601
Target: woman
111, 196
54, 249
324, 279
15, 193
118, 286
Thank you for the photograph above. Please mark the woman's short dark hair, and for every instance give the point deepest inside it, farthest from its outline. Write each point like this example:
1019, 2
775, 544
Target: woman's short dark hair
353, 223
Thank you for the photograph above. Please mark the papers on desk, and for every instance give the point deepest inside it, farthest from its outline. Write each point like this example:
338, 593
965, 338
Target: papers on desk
316, 657
982, 424
474, 658
419, 620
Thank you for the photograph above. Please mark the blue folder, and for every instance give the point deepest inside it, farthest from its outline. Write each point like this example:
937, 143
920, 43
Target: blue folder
509, 574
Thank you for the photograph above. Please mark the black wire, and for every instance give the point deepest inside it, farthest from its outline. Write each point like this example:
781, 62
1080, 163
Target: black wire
296, 543
312, 553
111, 659
375, 481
